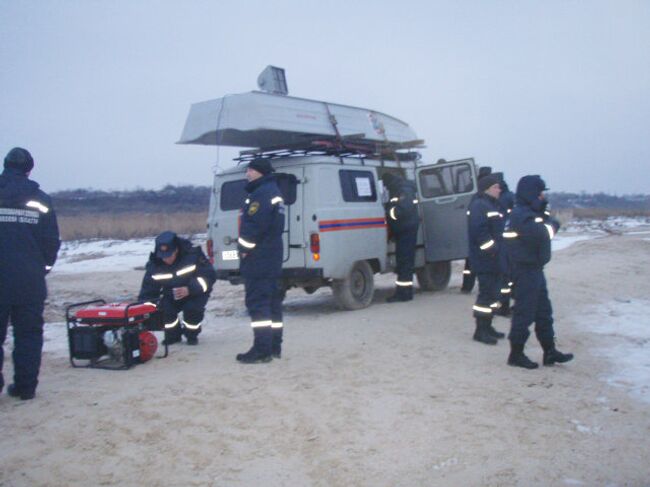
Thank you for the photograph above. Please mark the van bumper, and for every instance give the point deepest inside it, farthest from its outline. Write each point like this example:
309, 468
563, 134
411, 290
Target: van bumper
293, 276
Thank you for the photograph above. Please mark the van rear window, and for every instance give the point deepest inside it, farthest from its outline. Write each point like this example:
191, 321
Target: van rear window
446, 180
357, 185
233, 193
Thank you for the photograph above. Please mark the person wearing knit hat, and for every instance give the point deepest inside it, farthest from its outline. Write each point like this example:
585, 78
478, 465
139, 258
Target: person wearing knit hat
469, 276
261, 251
261, 166
485, 230
29, 243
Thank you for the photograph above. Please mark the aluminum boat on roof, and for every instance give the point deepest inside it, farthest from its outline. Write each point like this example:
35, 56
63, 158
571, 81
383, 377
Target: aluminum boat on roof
271, 121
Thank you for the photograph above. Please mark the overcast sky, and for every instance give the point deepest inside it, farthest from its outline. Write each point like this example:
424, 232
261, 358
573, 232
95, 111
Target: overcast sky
99, 91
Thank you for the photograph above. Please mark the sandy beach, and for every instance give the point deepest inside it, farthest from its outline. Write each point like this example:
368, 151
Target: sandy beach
392, 395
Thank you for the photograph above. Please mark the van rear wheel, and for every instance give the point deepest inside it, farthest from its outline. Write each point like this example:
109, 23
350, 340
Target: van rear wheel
434, 276
356, 290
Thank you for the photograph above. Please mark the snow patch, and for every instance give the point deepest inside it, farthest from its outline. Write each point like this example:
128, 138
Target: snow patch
626, 325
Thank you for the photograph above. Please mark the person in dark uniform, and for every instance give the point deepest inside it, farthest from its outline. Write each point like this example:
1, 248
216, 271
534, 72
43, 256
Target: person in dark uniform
260, 252
485, 230
179, 277
506, 202
528, 237
469, 277
29, 243
404, 221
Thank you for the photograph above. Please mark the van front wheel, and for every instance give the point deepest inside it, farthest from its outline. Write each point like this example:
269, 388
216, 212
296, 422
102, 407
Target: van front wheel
356, 290
434, 276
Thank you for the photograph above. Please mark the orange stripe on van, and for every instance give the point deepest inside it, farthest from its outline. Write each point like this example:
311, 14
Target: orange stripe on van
351, 224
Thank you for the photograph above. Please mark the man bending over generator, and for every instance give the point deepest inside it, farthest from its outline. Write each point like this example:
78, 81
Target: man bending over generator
180, 276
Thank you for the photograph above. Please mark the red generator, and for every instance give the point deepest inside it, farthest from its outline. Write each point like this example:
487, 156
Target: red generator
112, 336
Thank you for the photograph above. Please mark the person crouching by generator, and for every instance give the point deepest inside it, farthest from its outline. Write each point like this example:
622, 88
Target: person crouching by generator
485, 228
180, 277
403, 220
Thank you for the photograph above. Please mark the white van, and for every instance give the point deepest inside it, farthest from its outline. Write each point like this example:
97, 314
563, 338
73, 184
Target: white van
329, 160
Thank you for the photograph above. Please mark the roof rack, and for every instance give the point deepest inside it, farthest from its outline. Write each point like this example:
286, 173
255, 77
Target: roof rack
347, 146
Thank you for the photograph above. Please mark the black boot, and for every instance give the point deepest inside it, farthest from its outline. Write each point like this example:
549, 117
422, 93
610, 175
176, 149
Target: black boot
517, 357
276, 346
402, 293
24, 395
173, 335
496, 334
260, 352
504, 310
482, 333
553, 355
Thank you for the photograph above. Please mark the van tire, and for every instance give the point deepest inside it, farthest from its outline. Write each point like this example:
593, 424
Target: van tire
356, 290
434, 276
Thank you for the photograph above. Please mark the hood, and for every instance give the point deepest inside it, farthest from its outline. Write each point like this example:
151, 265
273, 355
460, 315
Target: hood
528, 190
15, 188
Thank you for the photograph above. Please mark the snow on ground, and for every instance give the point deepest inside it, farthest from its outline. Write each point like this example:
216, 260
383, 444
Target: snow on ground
626, 324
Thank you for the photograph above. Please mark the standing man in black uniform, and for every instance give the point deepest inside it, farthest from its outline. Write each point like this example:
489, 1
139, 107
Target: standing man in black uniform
528, 237
485, 230
404, 221
469, 276
180, 277
29, 243
260, 253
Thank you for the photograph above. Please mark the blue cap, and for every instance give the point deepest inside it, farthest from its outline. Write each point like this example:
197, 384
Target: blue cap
166, 244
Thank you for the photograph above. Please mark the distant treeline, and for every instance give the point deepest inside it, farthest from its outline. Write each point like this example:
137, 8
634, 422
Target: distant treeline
174, 199
170, 199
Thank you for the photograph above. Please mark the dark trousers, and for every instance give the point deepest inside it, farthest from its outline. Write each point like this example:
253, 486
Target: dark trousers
469, 278
27, 323
405, 254
193, 309
532, 305
488, 294
264, 299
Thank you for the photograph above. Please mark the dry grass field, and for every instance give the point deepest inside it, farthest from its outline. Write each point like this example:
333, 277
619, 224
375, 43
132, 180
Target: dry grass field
130, 225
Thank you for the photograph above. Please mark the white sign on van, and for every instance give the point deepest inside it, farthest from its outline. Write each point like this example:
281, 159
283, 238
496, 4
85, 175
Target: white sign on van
363, 187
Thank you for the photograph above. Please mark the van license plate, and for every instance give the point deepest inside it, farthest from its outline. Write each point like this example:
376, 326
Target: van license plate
229, 255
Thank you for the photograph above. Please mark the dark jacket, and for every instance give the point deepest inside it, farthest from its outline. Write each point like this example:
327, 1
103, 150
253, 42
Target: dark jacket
530, 227
260, 233
485, 231
506, 199
191, 268
401, 210
29, 239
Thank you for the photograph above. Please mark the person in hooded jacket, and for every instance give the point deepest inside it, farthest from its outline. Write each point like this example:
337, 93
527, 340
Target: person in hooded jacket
29, 243
528, 237
260, 252
179, 277
506, 203
404, 221
485, 232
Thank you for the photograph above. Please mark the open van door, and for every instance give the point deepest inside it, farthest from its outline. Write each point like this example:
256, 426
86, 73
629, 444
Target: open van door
445, 191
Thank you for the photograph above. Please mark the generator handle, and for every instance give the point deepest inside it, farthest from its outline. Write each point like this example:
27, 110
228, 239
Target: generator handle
77, 305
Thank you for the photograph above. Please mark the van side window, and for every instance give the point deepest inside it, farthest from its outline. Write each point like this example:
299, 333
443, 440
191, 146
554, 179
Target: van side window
233, 193
357, 186
445, 181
